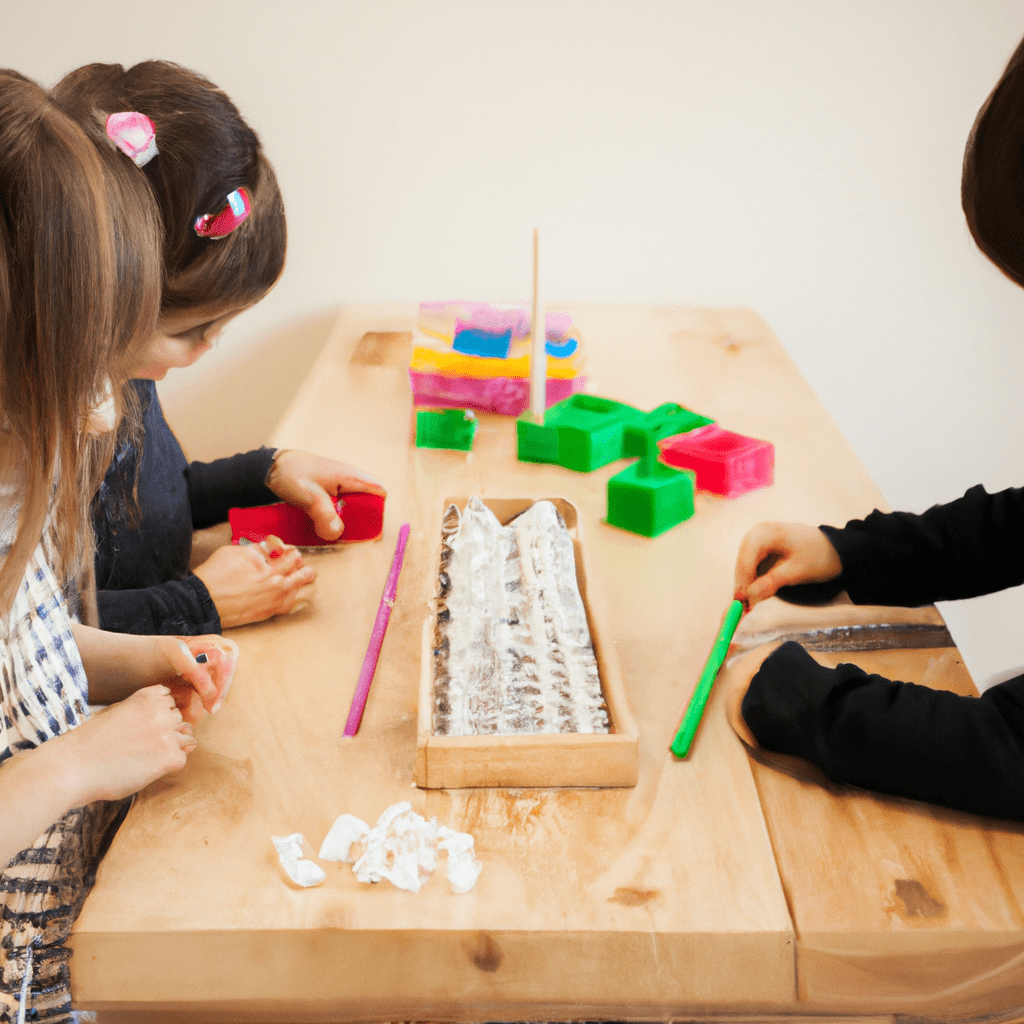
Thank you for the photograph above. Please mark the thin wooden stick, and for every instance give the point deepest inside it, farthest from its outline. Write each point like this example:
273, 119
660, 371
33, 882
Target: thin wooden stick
538, 352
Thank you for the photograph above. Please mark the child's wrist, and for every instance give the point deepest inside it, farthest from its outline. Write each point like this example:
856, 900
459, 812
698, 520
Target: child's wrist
59, 773
272, 468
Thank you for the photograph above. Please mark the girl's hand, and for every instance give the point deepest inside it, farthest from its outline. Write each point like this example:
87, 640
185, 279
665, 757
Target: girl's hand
118, 664
310, 482
252, 582
123, 748
785, 554
198, 687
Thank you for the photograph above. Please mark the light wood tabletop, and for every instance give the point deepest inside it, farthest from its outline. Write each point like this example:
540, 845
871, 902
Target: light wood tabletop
716, 887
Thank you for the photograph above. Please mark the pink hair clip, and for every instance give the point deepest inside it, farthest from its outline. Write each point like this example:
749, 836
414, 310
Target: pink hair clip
134, 135
217, 226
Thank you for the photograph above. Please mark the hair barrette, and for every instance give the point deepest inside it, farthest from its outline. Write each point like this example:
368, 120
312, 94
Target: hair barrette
134, 135
218, 225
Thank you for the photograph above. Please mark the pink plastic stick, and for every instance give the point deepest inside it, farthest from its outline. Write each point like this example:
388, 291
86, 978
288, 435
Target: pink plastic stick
387, 602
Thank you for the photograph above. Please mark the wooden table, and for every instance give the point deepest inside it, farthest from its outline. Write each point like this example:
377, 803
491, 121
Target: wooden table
714, 888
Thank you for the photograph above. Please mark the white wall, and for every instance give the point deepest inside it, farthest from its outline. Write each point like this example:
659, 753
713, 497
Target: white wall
801, 157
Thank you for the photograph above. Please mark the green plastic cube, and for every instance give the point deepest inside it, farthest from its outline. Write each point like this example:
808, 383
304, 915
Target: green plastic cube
446, 428
665, 421
650, 499
537, 442
582, 433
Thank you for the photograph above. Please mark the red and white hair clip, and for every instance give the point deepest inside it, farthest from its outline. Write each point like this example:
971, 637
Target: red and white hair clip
134, 135
218, 225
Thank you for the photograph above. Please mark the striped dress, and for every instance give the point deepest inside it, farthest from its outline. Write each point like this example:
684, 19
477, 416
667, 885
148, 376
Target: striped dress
43, 693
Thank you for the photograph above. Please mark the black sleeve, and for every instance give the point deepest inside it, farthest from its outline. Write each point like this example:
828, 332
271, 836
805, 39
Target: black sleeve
235, 482
971, 546
181, 607
893, 737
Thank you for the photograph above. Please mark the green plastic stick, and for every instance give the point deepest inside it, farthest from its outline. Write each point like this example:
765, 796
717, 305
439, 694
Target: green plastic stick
695, 709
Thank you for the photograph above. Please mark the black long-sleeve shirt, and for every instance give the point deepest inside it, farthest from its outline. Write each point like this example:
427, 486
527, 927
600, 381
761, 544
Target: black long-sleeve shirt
142, 568
968, 547
898, 737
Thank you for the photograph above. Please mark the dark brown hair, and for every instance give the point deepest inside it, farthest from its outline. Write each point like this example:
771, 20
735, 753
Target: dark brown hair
992, 186
206, 151
79, 289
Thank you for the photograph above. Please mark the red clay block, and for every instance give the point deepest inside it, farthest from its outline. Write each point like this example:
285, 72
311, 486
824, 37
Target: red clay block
362, 514
725, 463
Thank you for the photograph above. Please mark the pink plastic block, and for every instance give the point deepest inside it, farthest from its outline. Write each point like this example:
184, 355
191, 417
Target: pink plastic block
494, 319
725, 463
508, 396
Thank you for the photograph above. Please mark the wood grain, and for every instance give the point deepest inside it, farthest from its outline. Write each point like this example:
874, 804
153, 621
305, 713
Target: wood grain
653, 902
928, 922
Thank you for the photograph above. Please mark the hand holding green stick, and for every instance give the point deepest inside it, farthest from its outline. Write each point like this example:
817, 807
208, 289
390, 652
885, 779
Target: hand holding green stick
680, 746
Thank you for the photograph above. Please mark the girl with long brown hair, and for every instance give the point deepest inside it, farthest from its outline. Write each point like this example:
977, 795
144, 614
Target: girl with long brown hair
223, 249
79, 288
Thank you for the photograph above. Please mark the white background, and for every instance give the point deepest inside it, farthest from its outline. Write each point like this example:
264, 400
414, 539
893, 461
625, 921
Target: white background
800, 157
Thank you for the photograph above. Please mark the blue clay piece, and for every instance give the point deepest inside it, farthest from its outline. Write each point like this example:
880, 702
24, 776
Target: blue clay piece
472, 341
561, 350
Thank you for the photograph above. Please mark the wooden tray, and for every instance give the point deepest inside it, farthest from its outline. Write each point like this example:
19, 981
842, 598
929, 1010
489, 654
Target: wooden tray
547, 759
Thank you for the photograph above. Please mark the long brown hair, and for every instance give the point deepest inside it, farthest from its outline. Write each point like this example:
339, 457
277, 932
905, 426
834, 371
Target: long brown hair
992, 185
79, 289
206, 151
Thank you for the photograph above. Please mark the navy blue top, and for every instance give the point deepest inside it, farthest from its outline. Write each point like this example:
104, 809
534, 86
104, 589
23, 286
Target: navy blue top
143, 580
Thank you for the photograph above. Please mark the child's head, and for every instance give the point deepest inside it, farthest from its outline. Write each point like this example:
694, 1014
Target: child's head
206, 152
79, 288
992, 186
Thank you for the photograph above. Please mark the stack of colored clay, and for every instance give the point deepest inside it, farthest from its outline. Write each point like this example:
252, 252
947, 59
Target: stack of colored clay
472, 355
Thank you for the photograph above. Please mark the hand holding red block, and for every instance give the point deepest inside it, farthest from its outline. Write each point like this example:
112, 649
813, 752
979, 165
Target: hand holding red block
362, 517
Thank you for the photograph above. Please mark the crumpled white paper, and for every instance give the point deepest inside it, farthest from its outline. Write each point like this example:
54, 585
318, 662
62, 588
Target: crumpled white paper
345, 832
463, 867
402, 848
289, 853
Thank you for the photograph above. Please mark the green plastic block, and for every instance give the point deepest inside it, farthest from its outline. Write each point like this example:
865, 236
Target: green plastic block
537, 442
446, 428
650, 499
665, 421
582, 433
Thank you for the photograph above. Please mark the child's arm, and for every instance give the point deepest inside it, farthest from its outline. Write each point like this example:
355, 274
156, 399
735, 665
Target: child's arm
973, 545
118, 664
890, 736
795, 554
114, 753
967, 547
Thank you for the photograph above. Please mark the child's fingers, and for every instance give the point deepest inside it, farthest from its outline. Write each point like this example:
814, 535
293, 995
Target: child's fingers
288, 562
196, 674
319, 506
211, 657
782, 575
186, 740
190, 706
294, 583
256, 554
221, 660
275, 547
760, 543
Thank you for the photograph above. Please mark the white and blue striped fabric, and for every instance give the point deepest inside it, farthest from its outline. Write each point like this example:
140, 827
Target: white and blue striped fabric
43, 693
